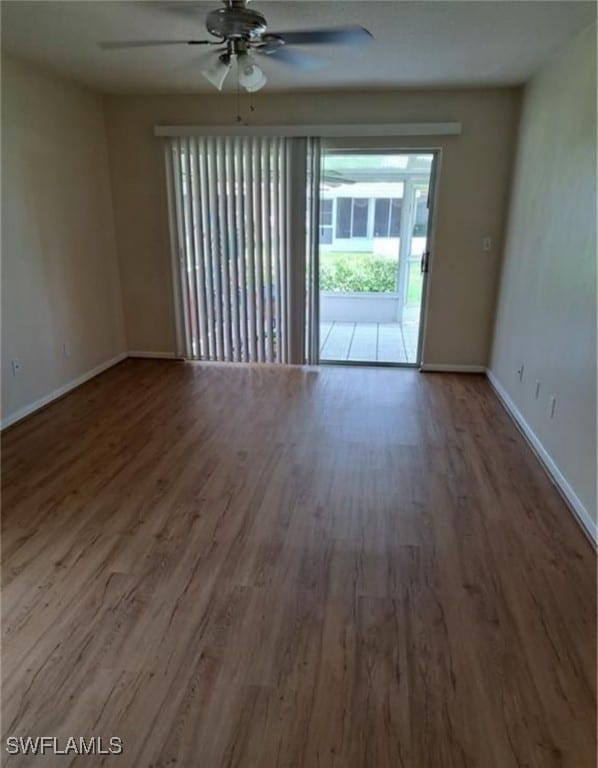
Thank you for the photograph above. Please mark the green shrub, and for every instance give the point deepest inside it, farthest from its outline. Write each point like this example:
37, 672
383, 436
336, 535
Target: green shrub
357, 272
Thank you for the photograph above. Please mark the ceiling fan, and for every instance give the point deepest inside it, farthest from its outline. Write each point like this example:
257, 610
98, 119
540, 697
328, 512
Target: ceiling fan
240, 32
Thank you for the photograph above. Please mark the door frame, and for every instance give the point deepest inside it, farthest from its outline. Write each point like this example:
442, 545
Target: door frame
431, 250
331, 147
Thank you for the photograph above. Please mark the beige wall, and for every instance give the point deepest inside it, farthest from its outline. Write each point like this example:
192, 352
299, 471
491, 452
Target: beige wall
60, 281
546, 316
472, 199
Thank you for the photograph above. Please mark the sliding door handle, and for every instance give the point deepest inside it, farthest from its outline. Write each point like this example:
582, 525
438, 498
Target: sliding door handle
424, 261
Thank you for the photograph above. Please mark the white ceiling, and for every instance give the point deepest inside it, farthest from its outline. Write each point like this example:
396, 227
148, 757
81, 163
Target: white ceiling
416, 42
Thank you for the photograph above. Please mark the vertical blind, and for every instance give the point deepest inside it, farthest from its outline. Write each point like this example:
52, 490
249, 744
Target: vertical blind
241, 217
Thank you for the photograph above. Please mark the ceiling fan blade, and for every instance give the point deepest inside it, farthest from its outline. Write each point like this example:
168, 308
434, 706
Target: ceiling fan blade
347, 34
292, 58
118, 44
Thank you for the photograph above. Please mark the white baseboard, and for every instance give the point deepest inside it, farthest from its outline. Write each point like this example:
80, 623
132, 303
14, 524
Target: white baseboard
26, 410
451, 368
152, 355
582, 515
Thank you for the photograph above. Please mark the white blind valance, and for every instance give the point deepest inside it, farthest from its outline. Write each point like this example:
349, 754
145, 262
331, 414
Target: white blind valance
324, 131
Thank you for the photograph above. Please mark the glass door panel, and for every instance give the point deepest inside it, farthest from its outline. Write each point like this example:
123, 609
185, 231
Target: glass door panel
373, 234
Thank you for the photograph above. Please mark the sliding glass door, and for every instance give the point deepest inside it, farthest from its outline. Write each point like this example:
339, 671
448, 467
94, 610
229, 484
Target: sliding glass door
373, 255
282, 256
240, 219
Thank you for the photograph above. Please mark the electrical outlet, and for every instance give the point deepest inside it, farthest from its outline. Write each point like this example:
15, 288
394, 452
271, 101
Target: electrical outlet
486, 243
520, 372
66, 349
16, 367
537, 389
552, 407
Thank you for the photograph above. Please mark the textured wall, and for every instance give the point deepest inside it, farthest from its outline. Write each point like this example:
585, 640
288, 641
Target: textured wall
546, 315
60, 279
473, 195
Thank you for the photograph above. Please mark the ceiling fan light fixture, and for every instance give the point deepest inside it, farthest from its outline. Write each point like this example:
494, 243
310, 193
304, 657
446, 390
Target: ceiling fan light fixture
240, 31
251, 77
216, 70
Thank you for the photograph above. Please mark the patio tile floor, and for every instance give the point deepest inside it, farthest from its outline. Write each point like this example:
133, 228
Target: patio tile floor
369, 342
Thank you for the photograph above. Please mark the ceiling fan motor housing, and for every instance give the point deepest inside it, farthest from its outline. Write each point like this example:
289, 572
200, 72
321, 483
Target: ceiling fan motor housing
236, 23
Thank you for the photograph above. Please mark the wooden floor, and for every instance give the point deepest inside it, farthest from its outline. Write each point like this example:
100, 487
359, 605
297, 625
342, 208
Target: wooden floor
243, 567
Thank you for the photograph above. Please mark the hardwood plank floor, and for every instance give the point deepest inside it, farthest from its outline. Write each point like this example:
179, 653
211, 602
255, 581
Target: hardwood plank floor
254, 566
